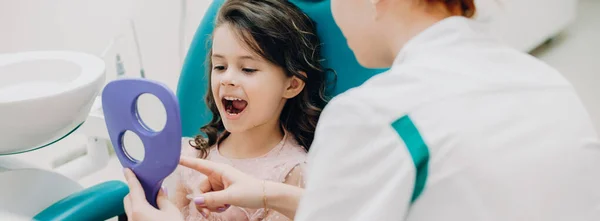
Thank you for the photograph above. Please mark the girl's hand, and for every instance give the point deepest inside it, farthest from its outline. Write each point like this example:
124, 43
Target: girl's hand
137, 208
224, 186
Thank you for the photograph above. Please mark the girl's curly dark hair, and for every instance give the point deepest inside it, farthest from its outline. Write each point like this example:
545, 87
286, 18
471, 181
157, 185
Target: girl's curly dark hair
282, 34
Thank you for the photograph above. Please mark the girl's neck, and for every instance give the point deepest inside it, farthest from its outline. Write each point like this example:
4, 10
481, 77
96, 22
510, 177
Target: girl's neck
252, 143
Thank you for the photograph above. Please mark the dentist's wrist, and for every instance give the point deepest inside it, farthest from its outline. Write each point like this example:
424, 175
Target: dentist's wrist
282, 198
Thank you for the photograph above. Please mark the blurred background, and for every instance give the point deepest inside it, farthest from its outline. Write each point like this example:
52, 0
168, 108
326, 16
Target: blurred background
155, 35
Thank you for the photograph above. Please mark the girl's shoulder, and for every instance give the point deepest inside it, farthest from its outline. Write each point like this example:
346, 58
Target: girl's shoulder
292, 147
291, 156
187, 149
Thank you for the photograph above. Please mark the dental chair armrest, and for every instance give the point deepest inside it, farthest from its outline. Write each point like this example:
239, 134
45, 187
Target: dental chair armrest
100, 202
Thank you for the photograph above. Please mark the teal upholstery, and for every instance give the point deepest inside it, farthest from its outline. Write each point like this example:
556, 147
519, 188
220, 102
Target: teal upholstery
100, 202
193, 80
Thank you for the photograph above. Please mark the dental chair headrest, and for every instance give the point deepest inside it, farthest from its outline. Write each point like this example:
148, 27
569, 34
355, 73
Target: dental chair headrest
193, 80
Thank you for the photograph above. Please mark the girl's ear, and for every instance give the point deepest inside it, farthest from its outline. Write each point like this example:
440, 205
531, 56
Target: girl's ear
294, 87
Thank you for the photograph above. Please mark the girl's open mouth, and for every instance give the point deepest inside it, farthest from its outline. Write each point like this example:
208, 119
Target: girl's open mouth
234, 106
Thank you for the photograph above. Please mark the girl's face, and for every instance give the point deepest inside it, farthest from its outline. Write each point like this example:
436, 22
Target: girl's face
248, 90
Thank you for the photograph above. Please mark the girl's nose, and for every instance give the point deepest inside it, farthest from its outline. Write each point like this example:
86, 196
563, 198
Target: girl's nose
228, 79
226, 82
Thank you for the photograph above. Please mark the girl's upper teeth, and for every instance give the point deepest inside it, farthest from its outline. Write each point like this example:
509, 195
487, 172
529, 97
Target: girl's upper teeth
232, 99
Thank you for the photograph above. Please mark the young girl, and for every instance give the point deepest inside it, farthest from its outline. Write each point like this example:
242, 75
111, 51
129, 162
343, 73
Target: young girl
266, 95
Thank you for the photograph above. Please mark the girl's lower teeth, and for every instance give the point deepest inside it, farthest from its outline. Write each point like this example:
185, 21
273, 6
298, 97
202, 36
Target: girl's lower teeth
232, 112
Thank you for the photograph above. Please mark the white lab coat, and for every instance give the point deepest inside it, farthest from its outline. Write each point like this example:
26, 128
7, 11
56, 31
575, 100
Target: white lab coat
490, 132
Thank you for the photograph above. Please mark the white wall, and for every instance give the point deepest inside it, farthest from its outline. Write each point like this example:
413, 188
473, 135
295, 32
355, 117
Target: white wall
89, 25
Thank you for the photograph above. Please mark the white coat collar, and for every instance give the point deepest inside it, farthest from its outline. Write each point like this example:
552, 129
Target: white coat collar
444, 33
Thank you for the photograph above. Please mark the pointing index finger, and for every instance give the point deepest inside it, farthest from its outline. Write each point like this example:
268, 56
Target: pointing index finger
203, 166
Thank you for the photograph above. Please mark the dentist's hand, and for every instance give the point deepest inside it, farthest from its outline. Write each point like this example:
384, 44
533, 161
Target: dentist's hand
138, 208
225, 186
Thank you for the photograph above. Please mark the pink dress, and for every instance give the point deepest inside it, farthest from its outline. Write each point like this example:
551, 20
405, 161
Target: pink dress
284, 163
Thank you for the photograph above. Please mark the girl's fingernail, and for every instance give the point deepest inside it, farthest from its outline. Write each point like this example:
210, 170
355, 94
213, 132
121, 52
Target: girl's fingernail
199, 201
203, 214
164, 189
221, 209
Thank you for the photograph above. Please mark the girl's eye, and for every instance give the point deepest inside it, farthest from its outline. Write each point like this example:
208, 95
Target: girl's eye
219, 68
248, 70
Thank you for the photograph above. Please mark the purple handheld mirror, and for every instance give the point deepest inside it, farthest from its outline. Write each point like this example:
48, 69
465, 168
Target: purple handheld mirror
162, 148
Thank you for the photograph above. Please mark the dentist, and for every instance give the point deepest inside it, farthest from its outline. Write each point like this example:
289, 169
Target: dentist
461, 128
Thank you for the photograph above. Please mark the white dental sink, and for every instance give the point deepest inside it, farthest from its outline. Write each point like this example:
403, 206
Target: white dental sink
44, 96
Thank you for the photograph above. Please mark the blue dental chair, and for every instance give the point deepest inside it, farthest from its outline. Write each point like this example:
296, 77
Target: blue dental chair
105, 200
338, 56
